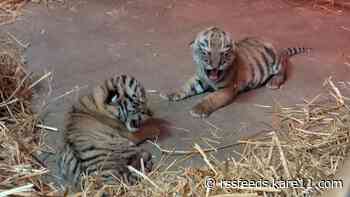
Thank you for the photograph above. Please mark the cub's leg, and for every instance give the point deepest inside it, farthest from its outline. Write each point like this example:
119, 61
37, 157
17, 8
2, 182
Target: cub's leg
192, 87
214, 101
123, 156
280, 77
146, 132
135, 160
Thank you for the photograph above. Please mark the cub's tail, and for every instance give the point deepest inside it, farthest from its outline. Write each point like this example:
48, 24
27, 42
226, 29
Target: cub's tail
289, 52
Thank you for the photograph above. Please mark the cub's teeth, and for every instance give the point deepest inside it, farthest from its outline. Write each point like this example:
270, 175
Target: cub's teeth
163, 96
194, 114
151, 91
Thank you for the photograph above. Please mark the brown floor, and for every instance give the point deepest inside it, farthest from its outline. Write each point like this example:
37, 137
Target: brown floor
87, 41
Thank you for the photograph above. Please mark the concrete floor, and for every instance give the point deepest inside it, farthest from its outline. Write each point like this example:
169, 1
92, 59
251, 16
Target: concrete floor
85, 42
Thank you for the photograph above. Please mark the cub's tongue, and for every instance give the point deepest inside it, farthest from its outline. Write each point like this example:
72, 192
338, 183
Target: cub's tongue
214, 74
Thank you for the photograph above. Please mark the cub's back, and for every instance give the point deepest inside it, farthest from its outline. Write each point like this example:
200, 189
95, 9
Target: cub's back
257, 59
93, 141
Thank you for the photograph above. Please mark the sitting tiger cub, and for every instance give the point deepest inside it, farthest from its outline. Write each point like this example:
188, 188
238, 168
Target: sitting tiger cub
229, 68
98, 131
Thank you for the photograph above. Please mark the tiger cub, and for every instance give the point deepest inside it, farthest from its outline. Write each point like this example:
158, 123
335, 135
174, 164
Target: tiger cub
97, 133
230, 67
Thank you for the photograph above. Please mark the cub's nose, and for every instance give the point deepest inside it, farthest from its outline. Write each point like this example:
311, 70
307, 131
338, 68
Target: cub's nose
147, 112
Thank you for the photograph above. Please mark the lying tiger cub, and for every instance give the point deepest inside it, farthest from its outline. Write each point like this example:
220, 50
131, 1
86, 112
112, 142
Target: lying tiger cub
98, 132
229, 68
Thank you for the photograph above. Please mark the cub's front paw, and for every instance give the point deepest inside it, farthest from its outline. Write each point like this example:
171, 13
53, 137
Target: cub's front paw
148, 112
146, 158
176, 96
200, 111
147, 165
276, 82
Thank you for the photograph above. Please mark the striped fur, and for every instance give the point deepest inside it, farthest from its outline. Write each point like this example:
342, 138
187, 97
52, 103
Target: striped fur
97, 133
229, 67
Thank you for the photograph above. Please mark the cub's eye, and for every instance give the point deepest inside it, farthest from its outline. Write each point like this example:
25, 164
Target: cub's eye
206, 60
223, 61
226, 54
202, 44
133, 108
228, 47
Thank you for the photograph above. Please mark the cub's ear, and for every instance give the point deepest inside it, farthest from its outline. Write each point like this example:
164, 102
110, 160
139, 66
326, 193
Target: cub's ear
113, 94
99, 96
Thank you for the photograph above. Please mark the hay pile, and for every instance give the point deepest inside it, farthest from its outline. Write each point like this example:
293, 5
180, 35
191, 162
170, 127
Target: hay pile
10, 10
20, 136
329, 6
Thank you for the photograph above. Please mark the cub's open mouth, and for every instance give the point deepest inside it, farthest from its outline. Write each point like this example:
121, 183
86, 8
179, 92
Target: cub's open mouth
214, 74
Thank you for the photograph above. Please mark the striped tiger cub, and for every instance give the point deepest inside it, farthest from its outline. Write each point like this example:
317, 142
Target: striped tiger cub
229, 67
97, 133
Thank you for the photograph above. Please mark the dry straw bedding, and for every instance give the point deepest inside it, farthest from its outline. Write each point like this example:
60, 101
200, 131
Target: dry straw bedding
21, 136
10, 10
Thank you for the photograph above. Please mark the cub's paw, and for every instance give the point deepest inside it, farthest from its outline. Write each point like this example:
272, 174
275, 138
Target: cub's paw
176, 96
276, 82
141, 161
200, 111
130, 178
148, 112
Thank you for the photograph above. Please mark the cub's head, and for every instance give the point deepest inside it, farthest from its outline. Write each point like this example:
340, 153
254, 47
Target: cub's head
126, 99
213, 53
